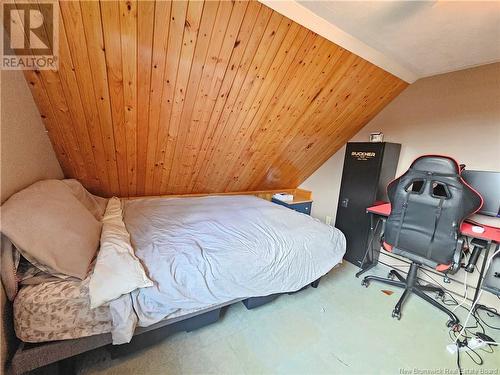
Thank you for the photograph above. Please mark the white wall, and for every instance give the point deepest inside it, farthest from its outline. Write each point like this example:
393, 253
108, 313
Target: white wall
325, 186
26, 153
26, 156
456, 114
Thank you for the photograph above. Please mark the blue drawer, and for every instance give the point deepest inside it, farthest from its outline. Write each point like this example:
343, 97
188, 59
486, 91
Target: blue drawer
304, 207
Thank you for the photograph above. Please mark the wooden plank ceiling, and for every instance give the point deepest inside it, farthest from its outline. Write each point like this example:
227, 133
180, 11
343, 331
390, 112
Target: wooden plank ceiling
189, 97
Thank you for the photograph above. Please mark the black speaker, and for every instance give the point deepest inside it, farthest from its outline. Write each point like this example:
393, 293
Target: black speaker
368, 169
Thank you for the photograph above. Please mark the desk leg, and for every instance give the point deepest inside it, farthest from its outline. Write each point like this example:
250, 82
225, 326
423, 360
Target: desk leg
370, 259
481, 272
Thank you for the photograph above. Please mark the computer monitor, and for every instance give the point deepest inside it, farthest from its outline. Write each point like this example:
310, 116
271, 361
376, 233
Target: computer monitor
488, 185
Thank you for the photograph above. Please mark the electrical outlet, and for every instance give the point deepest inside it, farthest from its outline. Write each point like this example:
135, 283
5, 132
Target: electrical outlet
328, 220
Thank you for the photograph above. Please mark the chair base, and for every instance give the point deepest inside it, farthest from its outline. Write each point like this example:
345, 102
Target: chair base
411, 286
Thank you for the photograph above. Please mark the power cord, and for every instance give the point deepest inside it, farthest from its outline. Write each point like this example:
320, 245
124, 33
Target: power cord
463, 331
490, 312
471, 353
458, 359
488, 261
465, 293
467, 331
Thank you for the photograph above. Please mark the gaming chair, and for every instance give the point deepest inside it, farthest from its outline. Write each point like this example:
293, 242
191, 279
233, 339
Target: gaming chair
428, 205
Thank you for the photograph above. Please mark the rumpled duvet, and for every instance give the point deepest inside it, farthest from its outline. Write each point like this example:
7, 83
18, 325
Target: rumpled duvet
210, 250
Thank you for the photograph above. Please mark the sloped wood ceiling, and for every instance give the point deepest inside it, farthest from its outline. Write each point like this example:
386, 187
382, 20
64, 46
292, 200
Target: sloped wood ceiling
187, 97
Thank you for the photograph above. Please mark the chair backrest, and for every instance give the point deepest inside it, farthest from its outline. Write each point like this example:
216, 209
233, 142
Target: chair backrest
429, 203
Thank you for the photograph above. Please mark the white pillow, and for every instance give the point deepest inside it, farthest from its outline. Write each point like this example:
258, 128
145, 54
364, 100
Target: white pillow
117, 270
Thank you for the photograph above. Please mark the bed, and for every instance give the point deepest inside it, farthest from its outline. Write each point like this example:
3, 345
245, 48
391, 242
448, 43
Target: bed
201, 254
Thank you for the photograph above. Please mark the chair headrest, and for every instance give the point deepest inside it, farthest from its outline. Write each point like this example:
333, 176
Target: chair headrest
436, 164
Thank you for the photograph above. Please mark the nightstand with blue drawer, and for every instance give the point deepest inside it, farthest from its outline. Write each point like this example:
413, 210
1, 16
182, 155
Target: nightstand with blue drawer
296, 205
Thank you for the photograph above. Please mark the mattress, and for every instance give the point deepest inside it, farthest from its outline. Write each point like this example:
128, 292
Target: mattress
210, 250
60, 310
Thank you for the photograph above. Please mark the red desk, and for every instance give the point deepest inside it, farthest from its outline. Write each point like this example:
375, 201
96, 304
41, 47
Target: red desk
490, 234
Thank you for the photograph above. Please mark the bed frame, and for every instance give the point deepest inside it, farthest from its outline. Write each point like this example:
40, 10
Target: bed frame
300, 195
30, 356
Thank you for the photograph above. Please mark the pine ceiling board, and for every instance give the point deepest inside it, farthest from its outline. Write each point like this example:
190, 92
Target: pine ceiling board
92, 22
159, 97
78, 119
74, 70
316, 97
110, 17
285, 118
188, 59
301, 119
270, 94
214, 67
49, 120
270, 81
175, 38
248, 41
282, 119
329, 101
312, 139
159, 57
254, 58
279, 105
145, 32
80, 95
58, 101
128, 34
355, 123
199, 40
234, 129
63, 117
237, 43
340, 103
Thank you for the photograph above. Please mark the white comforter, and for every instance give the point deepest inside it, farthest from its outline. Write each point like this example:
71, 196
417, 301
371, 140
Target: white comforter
204, 251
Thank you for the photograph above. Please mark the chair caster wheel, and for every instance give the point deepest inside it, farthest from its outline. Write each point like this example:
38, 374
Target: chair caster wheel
365, 283
391, 276
396, 314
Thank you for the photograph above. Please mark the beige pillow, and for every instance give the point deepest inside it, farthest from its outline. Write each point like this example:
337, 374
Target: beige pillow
96, 205
47, 222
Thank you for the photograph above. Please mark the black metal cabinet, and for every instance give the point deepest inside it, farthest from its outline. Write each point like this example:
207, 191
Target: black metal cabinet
368, 168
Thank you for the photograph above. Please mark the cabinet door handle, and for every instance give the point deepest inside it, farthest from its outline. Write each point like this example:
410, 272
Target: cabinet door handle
344, 202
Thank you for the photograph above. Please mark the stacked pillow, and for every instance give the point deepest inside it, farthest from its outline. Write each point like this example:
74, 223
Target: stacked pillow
55, 225
117, 270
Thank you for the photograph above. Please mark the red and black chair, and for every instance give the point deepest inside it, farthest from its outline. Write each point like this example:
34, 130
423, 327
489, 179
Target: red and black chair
428, 205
